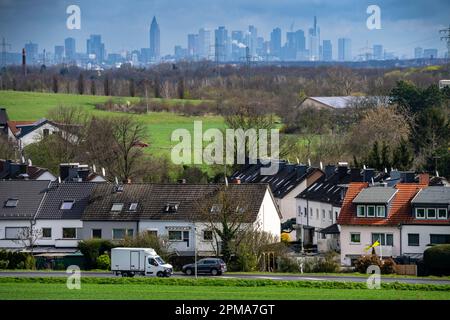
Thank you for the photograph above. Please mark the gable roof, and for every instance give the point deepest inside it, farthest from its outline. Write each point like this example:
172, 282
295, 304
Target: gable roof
67, 191
399, 210
336, 102
29, 194
15, 126
433, 195
283, 182
153, 198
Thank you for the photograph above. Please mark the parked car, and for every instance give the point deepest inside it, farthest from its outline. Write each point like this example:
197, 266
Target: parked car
144, 261
213, 266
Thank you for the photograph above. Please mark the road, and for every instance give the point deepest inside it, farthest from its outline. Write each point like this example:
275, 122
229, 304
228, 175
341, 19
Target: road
343, 278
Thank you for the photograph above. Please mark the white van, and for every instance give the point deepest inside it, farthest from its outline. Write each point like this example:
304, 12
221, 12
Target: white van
129, 262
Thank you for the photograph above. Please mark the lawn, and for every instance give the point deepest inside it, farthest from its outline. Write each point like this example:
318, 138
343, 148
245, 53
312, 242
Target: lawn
51, 291
35, 105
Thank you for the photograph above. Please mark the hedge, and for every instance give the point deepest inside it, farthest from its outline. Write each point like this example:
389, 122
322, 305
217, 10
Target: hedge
437, 259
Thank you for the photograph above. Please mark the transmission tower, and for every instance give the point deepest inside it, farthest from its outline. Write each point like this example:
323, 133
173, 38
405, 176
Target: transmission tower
446, 37
4, 50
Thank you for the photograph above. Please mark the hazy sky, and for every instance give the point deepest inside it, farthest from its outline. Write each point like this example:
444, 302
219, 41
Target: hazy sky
124, 24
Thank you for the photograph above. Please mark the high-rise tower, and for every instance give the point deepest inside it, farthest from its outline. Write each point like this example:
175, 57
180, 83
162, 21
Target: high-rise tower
154, 40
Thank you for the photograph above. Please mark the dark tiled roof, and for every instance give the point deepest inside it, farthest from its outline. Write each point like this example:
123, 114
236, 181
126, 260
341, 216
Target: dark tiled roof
57, 193
433, 195
376, 194
153, 198
284, 181
29, 193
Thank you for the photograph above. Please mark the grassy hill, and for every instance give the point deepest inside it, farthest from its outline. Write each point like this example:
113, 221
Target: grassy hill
35, 105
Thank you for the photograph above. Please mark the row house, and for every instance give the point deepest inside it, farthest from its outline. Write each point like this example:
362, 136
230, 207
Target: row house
405, 218
65, 213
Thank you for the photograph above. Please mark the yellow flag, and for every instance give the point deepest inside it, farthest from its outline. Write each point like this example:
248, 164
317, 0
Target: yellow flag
375, 244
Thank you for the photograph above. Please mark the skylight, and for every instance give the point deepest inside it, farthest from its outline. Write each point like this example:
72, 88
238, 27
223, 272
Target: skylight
133, 206
215, 208
171, 207
11, 203
67, 204
117, 207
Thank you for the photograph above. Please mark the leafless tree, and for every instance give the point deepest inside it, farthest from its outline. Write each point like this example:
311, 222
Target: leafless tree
27, 237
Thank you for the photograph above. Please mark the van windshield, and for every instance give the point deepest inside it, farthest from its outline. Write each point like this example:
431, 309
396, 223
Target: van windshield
160, 261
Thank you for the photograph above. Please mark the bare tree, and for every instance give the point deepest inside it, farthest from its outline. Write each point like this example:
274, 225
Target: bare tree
7, 148
27, 237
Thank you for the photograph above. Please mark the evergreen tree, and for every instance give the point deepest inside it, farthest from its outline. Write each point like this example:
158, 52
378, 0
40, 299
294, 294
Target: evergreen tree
80, 84
93, 87
55, 85
132, 88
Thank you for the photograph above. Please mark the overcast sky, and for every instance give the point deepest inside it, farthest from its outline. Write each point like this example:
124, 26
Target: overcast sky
124, 24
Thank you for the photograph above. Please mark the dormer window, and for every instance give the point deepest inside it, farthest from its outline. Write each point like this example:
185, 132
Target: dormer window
117, 207
119, 188
442, 213
11, 203
381, 211
431, 213
133, 206
420, 213
171, 207
370, 211
67, 204
240, 209
215, 208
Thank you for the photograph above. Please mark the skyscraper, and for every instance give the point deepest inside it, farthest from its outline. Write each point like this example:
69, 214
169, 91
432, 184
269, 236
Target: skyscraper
31, 50
204, 43
275, 42
70, 49
327, 50
193, 45
344, 49
418, 53
314, 41
252, 40
377, 52
430, 53
221, 44
59, 54
155, 41
238, 48
95, 48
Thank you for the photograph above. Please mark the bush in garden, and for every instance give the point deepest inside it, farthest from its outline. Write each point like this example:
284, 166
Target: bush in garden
4, 264
104, 262
437, 259
93, 248
388, 266
329, 263
365, 261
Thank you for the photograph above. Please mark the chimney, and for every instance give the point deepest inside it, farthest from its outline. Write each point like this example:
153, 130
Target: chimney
329, 170
424, 178
342, 169
368, 175
355, 174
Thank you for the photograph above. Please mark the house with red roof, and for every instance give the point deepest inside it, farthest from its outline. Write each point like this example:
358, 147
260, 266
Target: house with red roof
395, 216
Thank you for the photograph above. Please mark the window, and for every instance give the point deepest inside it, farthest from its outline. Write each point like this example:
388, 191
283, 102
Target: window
175, 235
171, 207
69, 233
323, 214
442, 213
355, 237
46, 132
386, 239
371, 211
305, 212
11, 203
120, 234
133, 206
317, 214
310, 212
117, 207
47, 233
13, 233
215, 208
439, 238
420, 213
153, 233
67, 204
240, 210
207, 235
431, 213
97, 233
413, 239
381, 211
330, 215
361, 211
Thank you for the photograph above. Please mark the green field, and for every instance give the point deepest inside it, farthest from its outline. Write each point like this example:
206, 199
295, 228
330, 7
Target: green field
49, 291
35, 105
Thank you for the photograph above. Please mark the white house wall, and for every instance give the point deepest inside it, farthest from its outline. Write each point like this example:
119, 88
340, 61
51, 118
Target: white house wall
288, 203
36, 135
4, 243
424, 232
351, 250
268, 219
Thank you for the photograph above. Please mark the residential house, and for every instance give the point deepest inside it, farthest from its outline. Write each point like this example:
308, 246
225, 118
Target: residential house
10, 170
341, 102
375, 213
20, 201
319, 205
28, 132
286, 184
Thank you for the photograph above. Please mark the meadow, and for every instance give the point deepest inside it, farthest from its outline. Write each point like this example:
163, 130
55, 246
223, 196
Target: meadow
35, 105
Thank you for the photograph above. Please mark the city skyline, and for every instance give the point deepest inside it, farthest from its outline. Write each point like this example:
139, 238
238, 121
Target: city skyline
130, 23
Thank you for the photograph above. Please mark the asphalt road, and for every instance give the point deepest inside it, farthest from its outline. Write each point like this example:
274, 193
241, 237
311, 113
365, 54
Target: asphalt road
239, 276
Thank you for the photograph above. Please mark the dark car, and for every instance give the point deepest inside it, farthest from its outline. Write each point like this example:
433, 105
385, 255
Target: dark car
213, 266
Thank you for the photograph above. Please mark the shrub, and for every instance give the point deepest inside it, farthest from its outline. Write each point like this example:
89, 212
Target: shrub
148, 240
285, 238
388, 266
104, 262
286, 264
4, 264
365, 261
329, 263
30, 262
437, 259
20, 265
91, 249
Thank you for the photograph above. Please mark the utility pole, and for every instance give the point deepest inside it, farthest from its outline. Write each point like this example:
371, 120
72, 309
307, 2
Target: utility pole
445, 36
4, 50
